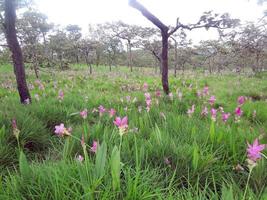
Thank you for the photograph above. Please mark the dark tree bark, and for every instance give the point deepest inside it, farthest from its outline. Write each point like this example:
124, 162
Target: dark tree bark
12, 41
165, 35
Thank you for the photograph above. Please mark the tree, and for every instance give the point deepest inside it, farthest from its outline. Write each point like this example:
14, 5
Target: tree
128, 33
9, 28
33, 27
208, 20
74, 35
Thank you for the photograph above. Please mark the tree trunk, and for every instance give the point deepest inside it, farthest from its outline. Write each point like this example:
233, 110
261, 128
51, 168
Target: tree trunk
130, 58
176, 59
164, 61
12, 41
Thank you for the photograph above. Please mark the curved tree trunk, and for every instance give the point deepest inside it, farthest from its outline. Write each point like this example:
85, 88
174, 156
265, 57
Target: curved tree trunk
12, 41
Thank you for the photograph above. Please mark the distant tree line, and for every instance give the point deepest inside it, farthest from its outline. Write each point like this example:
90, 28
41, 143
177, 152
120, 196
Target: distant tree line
117, 43
29, 38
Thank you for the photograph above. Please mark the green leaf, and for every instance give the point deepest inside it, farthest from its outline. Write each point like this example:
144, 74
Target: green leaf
212, 131
195, 159
100, 162
115, 168
24, 166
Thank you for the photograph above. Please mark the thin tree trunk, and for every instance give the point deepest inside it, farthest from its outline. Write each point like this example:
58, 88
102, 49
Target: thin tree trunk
164, 61
130, 58
176, 59
12, 41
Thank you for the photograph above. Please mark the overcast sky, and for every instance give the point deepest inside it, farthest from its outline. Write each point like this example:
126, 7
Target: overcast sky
83, 12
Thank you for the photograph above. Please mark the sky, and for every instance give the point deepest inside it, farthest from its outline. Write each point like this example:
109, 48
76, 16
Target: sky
84, 12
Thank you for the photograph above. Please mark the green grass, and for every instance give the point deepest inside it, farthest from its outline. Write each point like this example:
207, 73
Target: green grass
165, 155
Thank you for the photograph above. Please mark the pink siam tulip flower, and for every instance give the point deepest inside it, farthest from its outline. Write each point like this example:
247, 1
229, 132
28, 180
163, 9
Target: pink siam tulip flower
122, 124
158, 94
225, 116
238, 112
60, 95
205, 90
14, 124
204, 111
145, 86
241, 100
147, 95
191, 111
84, 113
212, 100
80, 158
16, 131
94, 146
213, 113
60, 130
254, 150
101, 110
148, 101
112, 112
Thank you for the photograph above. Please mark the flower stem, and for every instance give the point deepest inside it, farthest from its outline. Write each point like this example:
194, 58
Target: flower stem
249, 175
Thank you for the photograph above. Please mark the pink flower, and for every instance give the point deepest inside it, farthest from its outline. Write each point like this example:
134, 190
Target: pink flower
238, 112
191, 111
148, 101
147, 95
60, 95
212, 100
225, 116
122, 124
204, 111
101, 110
213, 113
84, 113
241, 100
80, 158
94, 146
112, 112
206, 90
60, 130
158, 94
145, 86
254, 150
14, 124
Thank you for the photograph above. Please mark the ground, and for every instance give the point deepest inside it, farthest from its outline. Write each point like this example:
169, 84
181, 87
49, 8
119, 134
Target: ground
169, 149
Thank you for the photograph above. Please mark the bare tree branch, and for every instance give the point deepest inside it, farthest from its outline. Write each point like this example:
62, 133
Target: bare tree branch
135, 4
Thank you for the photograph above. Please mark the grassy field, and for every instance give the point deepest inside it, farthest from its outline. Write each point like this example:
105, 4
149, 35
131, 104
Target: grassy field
171, 147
